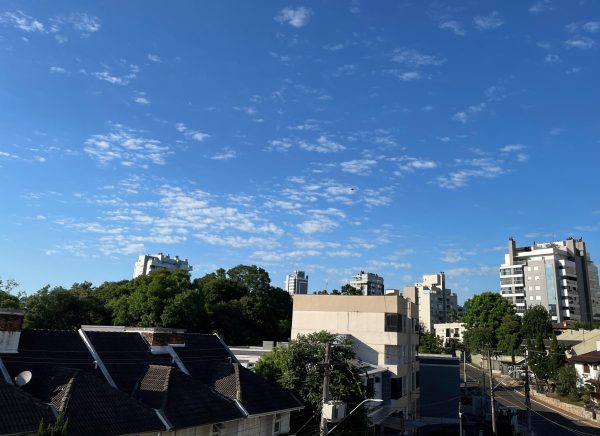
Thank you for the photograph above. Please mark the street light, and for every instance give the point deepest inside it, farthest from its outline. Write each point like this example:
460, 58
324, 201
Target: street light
374, 400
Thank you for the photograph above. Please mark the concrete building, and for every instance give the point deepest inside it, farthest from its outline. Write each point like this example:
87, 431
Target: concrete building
450, 332
368, 283
296, 283
557, 275
383, 331
436, 302
152, 262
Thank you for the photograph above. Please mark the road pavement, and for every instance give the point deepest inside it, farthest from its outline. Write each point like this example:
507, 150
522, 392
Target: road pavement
544, 420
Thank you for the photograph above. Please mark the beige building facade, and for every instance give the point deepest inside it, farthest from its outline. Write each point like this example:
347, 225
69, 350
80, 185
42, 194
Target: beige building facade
436, 302
383, 330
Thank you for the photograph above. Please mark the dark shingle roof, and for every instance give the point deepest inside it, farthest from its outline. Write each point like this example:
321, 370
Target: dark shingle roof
186, 401
91, 405
256, 394
40, 348
20, 412
202, 348
125, 355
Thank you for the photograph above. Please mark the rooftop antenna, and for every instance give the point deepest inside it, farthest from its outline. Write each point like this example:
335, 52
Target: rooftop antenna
23, 378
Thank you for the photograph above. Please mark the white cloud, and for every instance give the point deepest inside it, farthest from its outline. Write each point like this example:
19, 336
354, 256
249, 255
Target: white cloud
360, 167
59, 70
590, 27
318, 224
22, 21
296, 17
127, 147
452, 256
412, 58
488, 22
453, 25
404, 76
510, 148
471, 169
580, 42
153, 57
283, 144
248, 110
552, 58
115, 79
237, 241
196, 135
322, 145
410, 164
141, 99
467, 114
333, 47
81, 21
226, 154
541, 6
481, 270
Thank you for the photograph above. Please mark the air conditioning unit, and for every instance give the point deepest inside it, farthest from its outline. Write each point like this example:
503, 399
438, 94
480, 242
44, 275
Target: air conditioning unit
334, 411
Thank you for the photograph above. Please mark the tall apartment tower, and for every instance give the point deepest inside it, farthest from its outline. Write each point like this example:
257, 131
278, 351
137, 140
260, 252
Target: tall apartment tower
436, 302
557, 275
151, 262
368, 283
296, 283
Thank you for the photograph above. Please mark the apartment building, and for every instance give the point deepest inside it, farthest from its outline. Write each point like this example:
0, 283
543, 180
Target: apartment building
383, 331
368, 283
296, 283
436, 303
557, 275
152, 262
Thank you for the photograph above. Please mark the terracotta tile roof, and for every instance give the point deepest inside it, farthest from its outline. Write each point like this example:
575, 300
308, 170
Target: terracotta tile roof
591, 357
20, 412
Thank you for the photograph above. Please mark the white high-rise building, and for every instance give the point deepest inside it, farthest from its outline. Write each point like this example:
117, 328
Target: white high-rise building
152, 262
368, 283
557, 275
436, 302
296, 283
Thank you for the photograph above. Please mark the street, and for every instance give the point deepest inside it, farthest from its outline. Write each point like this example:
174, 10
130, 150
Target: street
544, 421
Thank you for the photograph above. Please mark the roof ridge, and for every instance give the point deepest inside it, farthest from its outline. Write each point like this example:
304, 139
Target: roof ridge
68, 390
238, 383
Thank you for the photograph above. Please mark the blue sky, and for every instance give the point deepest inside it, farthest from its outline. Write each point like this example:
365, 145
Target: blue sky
397, 137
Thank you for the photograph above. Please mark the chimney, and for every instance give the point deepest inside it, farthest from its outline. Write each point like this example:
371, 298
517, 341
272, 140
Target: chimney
11, 323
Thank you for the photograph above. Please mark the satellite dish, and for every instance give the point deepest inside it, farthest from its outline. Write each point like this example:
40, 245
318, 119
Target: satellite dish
23, 378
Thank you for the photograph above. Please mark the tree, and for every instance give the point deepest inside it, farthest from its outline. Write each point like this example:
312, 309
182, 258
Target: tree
251, 277
566, 379
484, 314
7, 299
556, 358
430, 343
299, 367
149, 297
536, 323
509, 335
65, 309
59, 428
348, 289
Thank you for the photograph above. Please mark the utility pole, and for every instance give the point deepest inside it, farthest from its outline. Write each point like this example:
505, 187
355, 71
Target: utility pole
527, 398
460, 417
327, 367
492, 393
464, 353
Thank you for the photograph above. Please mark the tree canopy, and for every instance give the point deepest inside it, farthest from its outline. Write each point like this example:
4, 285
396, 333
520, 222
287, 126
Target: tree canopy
299, 367
240, 304
489, 320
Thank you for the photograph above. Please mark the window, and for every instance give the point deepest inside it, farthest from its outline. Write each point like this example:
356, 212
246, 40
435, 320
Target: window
277, 423
535, 268
417, 380
392, 355
586, 368
396, 385
393, 322
538, 298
